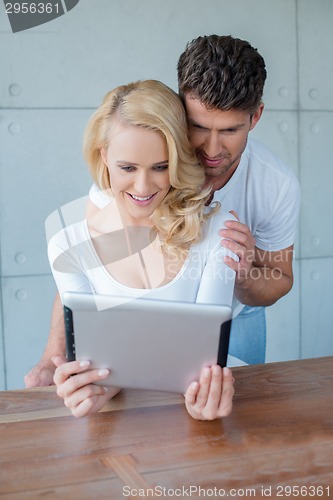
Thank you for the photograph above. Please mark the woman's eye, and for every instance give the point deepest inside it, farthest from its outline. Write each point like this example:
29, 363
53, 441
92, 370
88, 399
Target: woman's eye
161, 168
127, 168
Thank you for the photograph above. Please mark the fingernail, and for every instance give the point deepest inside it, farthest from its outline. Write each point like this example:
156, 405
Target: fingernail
103, 372
226, 371
84, 364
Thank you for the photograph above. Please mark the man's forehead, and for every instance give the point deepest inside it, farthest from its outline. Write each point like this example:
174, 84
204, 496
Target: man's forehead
199, 114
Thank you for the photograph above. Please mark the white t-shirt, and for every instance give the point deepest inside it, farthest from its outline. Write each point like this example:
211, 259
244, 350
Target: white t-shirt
204, 277
266, 196
263, 191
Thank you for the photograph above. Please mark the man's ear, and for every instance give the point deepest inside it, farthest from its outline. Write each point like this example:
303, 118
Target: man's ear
257, 115
103, 155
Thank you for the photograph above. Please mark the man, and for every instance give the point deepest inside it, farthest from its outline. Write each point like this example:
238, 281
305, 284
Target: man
221, 81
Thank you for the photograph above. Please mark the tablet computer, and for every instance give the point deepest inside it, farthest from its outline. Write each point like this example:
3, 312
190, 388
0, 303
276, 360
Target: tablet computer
146, 343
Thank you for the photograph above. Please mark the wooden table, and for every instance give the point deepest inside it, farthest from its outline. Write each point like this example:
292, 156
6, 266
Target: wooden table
280, 435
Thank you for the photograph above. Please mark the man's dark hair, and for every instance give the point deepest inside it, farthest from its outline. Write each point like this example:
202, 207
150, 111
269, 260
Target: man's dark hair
223, 72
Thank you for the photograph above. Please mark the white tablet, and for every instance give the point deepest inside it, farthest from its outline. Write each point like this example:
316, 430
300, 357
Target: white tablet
146, 343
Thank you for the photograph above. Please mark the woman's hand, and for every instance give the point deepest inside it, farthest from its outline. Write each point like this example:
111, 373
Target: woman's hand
75, 385
211, 397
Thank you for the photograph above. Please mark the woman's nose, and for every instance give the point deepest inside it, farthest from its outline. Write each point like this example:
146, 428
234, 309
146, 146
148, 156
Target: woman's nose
142, 183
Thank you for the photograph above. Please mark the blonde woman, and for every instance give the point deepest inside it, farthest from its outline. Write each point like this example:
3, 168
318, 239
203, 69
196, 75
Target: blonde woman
155, 238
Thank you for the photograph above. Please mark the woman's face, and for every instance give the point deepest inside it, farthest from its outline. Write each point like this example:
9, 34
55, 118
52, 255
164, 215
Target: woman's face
137, 160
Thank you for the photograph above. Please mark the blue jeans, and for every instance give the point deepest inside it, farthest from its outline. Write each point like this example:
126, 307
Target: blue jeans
248, 335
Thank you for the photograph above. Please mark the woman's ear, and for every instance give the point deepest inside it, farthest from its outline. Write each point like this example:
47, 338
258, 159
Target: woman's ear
104, 155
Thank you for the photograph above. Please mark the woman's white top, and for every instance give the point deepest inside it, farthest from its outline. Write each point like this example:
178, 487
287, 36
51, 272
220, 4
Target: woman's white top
204, 277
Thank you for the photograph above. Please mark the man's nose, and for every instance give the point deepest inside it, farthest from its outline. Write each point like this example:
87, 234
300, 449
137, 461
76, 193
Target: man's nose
212, 146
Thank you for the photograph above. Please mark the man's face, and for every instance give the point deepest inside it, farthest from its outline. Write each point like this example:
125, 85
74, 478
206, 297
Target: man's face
218, 137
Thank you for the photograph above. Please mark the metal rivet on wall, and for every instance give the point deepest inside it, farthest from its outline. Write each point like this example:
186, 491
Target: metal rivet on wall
284, 127
14, 128
14, 89
315, 276
283, 92
20, 258
313, 93
21, 294
314, 128
315, 241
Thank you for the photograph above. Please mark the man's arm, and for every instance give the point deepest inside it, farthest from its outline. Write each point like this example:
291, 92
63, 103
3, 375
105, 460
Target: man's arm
269, 279
42, 374
262, 277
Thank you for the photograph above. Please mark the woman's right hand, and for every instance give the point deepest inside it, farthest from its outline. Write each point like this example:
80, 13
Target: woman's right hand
76, 386
211, 397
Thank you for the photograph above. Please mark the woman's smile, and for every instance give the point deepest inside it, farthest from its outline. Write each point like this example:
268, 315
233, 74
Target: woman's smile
141, 200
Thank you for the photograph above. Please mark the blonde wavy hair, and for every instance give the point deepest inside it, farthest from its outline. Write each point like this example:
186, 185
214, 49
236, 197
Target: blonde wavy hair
151, 104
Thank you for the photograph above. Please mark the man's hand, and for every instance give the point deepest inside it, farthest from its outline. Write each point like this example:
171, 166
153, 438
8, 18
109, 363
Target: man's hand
241, 242
262, 277
40, 375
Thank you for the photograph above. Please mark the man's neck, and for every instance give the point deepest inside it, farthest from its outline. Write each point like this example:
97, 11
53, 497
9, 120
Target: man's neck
219, 182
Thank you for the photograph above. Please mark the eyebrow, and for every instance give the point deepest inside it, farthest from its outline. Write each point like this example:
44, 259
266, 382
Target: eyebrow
236, 126
126, 162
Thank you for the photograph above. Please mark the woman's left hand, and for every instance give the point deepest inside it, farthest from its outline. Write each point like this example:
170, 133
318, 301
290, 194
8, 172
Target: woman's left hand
211, 397
76, 386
